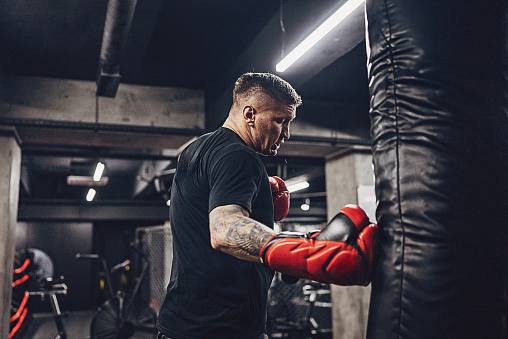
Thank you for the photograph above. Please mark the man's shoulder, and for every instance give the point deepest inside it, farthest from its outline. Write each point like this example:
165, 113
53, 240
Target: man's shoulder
234, 152
226, 141
216, 146
219, 136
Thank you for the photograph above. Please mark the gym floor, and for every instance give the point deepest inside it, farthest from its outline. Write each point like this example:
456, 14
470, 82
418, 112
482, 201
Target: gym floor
77, 326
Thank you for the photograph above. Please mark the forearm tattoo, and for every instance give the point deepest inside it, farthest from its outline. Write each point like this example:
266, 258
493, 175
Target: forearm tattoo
233, 232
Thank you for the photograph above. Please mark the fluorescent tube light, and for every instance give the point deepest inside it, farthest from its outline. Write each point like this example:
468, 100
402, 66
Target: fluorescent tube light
298, 186
90, 195
98, 171
336, 18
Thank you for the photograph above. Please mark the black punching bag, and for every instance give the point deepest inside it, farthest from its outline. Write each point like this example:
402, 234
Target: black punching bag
439, 124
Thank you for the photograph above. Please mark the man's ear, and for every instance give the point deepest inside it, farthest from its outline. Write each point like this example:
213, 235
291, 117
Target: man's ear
248, 114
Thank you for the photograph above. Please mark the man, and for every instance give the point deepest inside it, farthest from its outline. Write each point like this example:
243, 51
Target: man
222, 216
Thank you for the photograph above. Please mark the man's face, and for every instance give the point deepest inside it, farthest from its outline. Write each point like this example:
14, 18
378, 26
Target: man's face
271, 126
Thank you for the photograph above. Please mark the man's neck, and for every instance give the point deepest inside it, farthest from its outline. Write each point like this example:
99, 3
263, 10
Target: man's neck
231, 125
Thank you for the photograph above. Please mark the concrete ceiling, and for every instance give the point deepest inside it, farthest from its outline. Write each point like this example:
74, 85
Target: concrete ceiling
191, 45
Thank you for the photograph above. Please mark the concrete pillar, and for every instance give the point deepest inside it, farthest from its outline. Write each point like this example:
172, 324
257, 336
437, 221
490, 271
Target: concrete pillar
348, 177
10, 167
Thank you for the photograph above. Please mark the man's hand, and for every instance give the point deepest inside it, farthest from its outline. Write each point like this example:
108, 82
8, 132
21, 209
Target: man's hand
280, 195
343, 253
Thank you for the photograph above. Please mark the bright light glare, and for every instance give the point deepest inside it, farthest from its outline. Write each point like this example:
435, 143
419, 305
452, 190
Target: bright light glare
343, 12
98, 171
168, 202
90, 195
298, 186
305, 207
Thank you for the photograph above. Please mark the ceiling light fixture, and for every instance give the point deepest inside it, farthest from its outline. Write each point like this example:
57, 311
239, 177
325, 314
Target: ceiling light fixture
336, 18
298, 186
81, 180
98, 171
306, 205
90, 195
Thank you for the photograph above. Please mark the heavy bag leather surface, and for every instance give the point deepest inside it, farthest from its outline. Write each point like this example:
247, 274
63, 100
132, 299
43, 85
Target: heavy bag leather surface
439, 125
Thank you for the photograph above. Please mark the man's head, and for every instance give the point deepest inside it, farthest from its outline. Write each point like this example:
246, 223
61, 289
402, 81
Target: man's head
263, 106
280, 90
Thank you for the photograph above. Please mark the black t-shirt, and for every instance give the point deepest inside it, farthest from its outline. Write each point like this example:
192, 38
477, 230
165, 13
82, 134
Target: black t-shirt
212, 294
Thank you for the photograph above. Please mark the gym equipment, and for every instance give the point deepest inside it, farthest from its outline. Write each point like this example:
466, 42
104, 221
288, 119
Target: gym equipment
123, 314
299, 311
33, 276
51, 288
438, 77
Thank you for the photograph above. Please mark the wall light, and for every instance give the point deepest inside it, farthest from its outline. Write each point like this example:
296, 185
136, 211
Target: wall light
336, 18
306, 205
298, 186
98, 171
90, 195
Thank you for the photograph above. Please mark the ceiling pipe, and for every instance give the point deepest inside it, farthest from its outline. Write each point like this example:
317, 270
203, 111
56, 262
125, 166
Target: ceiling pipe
116, 30
147, 173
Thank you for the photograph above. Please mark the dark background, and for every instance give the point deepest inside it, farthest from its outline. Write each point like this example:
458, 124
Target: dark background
193, 44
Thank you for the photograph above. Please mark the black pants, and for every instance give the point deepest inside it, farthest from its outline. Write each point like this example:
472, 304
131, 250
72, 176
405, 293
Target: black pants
162, 336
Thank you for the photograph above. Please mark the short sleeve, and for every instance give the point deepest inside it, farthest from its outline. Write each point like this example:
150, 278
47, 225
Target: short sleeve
234, 178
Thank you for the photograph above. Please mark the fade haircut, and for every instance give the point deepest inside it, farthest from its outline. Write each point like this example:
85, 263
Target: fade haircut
277, 88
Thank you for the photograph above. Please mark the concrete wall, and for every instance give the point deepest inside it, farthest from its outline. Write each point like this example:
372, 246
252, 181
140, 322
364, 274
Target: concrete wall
74, 101
345, 173
10, 167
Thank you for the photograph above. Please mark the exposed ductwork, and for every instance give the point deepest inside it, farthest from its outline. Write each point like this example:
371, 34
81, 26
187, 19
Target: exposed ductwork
116, 30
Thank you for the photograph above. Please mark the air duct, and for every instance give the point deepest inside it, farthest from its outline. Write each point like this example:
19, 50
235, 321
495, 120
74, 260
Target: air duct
116, 30
81, 180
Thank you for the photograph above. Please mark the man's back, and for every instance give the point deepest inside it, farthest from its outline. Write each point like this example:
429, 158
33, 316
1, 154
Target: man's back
213, 294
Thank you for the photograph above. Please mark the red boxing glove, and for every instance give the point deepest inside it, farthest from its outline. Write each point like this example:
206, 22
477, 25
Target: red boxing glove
280, 195
343, 253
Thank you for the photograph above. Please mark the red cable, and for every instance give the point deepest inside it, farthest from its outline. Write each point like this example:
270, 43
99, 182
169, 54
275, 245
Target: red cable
22, 267
18, 325
21, 307
20, 280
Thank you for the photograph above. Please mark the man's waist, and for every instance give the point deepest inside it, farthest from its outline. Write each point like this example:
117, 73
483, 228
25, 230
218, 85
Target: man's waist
162, 336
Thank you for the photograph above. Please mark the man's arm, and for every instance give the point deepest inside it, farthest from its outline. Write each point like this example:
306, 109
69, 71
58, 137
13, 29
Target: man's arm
234, 233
